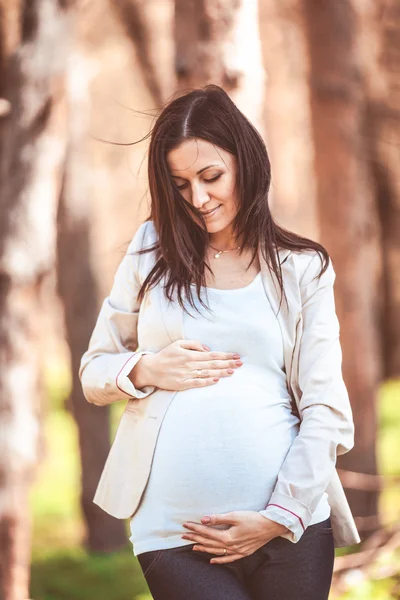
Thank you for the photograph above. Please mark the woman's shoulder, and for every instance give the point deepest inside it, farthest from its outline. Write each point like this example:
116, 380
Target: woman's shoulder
144, 236
309, 263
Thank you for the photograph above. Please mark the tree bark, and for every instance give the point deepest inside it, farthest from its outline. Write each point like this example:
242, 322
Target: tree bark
32, 149
148, 25
348, 220
218, 41
380, 49
288, 127
78, 289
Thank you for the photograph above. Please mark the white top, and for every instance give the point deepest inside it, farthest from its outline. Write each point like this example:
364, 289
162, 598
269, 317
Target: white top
220, 447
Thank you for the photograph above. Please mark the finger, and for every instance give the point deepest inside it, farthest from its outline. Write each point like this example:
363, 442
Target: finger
228, 518
216, 535
226, 559
193, 345
216, 372
199, 548
208, 549
209, 356
205, 542
215, 355
199, 382
217, 364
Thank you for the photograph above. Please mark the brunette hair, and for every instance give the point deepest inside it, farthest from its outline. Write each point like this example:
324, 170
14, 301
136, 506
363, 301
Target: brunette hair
209, 113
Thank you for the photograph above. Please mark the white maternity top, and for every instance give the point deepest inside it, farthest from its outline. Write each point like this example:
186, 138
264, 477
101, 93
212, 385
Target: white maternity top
220, 447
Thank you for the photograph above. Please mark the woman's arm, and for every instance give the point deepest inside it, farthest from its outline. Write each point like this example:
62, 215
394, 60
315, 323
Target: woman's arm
327, 428
111, 355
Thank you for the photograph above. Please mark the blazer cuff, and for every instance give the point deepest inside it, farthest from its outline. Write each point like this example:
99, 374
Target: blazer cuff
288, 511
125, 385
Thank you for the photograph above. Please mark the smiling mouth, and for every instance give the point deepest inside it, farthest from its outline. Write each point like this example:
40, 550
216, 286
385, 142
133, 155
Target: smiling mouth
211, 212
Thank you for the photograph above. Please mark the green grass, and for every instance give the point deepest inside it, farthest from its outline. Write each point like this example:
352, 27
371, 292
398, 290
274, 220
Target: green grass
75, 575
63, 570
388, 449
372, 590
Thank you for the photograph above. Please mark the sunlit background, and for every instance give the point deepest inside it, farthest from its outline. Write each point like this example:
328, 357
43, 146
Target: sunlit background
80, 83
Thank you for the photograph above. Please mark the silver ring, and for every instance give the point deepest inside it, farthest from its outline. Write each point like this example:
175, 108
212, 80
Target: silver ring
225, 551
199, 373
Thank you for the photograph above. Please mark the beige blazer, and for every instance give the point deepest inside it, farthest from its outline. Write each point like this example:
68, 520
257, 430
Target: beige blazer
310, 331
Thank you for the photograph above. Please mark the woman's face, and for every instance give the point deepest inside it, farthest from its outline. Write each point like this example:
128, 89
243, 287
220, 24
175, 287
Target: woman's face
206, 177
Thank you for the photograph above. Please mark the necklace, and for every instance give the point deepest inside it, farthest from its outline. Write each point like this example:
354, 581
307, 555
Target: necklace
219, 252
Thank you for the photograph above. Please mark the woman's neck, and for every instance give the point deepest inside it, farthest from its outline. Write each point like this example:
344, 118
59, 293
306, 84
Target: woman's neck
223, 240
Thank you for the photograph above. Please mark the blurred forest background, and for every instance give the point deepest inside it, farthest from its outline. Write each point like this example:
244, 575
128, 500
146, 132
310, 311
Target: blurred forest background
79, 82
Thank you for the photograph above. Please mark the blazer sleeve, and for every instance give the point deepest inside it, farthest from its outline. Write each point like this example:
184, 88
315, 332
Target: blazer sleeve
327, 427
112, 351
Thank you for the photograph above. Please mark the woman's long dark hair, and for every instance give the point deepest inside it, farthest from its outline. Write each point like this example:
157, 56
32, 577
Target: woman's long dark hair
208, 113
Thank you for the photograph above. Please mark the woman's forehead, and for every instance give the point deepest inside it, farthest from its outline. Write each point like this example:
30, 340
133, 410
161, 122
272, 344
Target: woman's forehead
195, 154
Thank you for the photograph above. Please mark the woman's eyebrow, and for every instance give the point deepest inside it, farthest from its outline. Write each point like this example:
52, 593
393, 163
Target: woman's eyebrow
198, 172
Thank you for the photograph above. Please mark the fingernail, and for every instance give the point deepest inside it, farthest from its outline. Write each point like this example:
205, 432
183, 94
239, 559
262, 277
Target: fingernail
206, 519
236, 356
206, 348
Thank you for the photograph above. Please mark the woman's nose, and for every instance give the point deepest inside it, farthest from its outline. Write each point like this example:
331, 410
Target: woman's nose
199, 196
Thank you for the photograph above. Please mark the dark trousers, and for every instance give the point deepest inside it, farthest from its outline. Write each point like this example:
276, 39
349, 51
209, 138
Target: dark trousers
279, 570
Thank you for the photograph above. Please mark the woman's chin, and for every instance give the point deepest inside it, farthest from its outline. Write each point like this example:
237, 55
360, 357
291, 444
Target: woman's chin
217, 225
213, 228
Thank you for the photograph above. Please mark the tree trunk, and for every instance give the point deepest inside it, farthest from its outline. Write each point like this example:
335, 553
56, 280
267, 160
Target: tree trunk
218, 41
148, 25
77, 287
32, 148
289, 134
380, 48
349, 222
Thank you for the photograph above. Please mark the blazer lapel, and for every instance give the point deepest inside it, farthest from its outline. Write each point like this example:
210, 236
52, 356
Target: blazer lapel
286, 318
270, 282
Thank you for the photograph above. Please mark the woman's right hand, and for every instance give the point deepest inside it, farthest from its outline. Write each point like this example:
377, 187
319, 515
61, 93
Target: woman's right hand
175, 366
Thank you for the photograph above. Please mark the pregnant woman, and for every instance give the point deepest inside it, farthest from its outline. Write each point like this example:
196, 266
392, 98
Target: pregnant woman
221, 332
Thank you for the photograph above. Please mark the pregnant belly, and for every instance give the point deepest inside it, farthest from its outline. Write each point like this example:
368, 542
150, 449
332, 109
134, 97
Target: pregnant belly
219, 452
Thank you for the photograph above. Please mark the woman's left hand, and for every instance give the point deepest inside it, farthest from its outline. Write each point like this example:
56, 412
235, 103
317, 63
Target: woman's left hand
249, 531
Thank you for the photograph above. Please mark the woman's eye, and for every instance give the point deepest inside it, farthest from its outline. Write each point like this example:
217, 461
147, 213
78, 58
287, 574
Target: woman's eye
184, 185
214, 178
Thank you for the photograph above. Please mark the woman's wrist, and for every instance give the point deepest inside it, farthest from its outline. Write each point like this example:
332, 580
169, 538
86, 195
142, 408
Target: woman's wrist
274, 527
142, 374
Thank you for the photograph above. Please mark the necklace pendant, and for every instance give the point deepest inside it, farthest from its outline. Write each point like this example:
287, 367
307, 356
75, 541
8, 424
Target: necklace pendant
217, 255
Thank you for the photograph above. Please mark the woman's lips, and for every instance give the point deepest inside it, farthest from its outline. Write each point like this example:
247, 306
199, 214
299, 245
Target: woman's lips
211, 213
